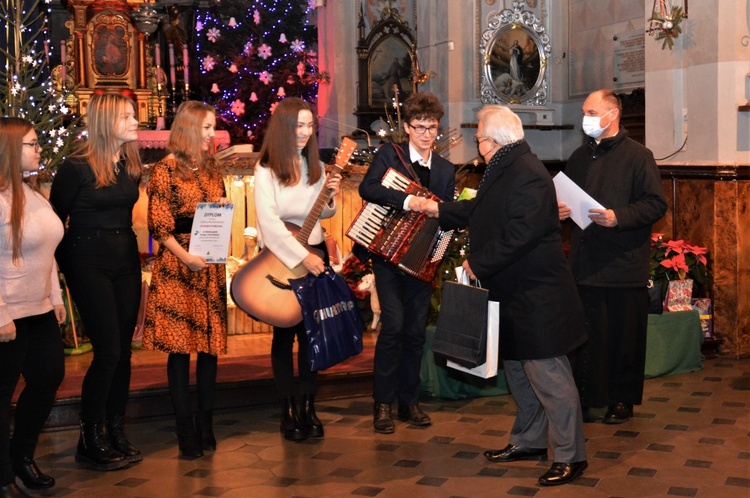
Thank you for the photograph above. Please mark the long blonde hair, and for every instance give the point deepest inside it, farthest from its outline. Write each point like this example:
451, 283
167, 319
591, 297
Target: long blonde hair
279, 152
103, 113
12, 131
186, 140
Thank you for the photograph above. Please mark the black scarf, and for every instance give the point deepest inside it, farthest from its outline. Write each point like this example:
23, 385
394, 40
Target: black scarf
495, 160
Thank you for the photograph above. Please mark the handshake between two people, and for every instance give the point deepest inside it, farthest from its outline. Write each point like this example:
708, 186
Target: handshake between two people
424, 205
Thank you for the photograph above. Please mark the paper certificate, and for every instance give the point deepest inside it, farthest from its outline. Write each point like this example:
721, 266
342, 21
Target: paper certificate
576, 199
212, 227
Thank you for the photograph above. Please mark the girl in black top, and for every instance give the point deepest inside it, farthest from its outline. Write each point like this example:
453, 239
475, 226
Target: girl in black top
94, 192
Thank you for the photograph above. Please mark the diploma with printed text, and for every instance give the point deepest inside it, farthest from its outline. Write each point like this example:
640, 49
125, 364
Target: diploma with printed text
575, 198
212, 227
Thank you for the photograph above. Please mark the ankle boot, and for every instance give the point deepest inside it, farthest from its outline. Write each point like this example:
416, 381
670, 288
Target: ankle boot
95, 451
311, 424
25, 469
186, 438
290, 423
119, 441
204, 429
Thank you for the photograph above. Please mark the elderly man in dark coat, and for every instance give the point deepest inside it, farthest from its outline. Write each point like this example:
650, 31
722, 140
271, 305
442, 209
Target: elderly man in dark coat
516, 252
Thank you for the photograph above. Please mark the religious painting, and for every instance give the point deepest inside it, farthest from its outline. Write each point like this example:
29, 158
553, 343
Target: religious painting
513, 62
110, 50
390, 70
514, 50
375, 10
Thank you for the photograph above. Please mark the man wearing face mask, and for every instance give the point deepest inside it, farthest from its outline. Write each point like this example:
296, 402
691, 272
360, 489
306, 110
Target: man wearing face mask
610, 258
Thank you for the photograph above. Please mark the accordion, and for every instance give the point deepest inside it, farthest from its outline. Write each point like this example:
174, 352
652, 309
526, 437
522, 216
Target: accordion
412, 241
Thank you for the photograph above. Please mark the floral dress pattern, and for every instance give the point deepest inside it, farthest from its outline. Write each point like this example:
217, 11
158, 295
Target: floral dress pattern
186, 311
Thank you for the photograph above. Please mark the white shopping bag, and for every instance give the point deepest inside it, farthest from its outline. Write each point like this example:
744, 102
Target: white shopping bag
488, 368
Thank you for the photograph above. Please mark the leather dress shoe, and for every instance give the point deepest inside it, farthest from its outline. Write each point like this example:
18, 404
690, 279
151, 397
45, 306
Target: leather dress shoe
12, 490
414, 415
512, 453
562, 473
618, 413
382, 419
31, 476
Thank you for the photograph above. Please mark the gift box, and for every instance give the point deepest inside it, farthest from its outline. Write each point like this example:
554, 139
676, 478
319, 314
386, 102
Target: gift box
678, 296
704, 307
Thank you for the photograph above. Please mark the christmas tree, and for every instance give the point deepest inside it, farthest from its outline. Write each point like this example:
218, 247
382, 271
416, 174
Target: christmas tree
252, 55
25, 81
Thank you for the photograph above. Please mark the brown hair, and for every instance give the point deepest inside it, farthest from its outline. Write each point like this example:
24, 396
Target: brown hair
611, 99
279, 152
422, 105
186, 140
103, 112
12, 131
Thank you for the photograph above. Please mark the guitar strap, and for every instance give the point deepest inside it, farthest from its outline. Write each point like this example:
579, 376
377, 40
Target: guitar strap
407, 164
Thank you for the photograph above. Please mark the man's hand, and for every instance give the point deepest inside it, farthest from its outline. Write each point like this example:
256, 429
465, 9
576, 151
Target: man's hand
429, 207
563, 211
468, 271
603, 217
416, 203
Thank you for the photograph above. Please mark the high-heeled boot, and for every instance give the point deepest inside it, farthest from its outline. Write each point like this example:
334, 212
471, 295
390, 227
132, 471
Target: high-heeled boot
205, 430
186, 438
95, 451
290, 423
119, 440
311, 424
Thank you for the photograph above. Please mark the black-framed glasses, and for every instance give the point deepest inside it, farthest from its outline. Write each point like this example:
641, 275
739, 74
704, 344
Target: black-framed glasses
478, 140
421, 130
37, 146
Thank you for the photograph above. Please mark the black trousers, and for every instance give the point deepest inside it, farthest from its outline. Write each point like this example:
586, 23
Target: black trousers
103, 272
37, 354
609, 368
178, 375
282, 355
404, 304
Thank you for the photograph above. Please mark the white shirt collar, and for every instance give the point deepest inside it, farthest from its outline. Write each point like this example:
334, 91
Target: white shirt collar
415, 157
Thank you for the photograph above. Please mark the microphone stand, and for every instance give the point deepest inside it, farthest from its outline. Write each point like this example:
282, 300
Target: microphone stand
367, 135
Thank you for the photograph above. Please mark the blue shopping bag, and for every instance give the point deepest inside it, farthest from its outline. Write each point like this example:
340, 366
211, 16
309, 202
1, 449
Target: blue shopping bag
331, 316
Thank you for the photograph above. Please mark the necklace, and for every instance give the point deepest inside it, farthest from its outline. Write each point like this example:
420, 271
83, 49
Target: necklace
117, 169
193, 168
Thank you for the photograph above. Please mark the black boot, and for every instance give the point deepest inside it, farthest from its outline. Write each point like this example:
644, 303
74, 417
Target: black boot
186, 438
25, 469
311, 424
119, 441
205, 430
290, 423
11, 490
95, 451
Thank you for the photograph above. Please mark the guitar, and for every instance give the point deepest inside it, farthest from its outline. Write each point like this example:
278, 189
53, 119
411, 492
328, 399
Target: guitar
261, 286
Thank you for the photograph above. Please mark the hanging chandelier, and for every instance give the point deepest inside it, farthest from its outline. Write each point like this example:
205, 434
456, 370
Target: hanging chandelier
665, 20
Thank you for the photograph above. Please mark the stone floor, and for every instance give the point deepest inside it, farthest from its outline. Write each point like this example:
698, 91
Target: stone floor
691, 437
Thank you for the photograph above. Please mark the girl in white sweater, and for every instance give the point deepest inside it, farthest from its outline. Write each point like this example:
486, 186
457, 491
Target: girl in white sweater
31, 308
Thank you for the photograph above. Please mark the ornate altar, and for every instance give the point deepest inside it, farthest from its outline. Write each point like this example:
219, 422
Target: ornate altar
107, 52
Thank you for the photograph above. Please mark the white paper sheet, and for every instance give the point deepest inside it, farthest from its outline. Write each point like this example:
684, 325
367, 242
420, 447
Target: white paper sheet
576, 199
212, 228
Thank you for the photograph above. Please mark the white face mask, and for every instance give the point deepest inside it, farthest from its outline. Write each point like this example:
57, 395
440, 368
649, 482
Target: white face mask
591, 125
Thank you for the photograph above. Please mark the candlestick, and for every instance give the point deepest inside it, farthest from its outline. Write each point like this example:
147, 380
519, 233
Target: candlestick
63, 60
171, 66
185, 62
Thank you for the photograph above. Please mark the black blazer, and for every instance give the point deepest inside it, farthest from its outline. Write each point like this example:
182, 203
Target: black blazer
442, 177
516, 252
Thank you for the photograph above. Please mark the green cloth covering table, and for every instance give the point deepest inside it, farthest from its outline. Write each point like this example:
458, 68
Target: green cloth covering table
673, 343
673, 347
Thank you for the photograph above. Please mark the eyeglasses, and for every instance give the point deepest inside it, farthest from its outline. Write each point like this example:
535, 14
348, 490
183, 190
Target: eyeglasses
479, 140
420, 130
37, 146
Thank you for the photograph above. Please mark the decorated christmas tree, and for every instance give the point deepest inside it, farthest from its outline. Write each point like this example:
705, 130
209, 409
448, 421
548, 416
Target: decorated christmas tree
28, 89
252, 55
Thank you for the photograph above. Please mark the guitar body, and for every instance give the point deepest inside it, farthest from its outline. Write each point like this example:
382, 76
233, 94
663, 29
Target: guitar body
261, 287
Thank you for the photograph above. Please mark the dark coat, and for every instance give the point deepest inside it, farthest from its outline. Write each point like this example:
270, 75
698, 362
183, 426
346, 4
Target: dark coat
516, 252
621, 175
442, 177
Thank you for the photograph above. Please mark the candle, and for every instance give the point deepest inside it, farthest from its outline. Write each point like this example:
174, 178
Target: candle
171, 65
185, 61
157, 55
63, 60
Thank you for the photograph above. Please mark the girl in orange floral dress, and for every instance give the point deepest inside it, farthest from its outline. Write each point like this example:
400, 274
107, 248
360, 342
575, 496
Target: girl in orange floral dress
186, 310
